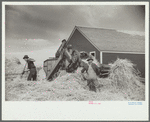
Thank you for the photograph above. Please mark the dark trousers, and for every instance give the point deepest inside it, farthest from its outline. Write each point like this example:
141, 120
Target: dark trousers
33, 74
72, 67
93, 84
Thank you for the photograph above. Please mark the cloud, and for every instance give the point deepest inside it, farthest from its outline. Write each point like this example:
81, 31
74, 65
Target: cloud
52, 21
39, 55
49, 24
29, 45
119, 17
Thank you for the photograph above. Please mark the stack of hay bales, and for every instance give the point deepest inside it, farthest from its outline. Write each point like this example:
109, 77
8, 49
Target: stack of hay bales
125, 78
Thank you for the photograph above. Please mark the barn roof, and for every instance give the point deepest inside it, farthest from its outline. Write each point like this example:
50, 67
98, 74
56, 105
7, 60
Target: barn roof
113, 40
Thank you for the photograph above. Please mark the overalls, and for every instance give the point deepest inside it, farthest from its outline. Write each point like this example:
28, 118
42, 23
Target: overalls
92, 80
92, 72
33, 72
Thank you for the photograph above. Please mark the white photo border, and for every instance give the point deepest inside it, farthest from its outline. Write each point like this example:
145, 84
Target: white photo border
56, 110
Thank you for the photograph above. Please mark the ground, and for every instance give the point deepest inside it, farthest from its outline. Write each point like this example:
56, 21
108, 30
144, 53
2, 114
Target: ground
123, 84
68, 87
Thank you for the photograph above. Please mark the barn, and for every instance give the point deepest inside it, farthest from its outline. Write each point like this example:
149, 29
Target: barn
108, 44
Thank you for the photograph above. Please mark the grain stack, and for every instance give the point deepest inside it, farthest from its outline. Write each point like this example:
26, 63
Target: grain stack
125, 78
13, 67
122, 84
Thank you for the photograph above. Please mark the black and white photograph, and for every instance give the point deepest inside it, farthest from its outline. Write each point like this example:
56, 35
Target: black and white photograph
75, 52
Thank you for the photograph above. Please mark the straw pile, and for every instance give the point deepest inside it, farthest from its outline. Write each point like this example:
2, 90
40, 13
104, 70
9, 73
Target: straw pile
71, 87
13, 68
125, 78
68, 87
13, 65
41, 75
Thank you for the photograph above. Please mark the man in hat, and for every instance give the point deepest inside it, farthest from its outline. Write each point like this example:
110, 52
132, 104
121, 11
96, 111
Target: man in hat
92, 72
69, 48
73, 60
31, 68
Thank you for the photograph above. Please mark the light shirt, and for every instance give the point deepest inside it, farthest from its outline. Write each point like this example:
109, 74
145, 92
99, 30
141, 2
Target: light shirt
91, 73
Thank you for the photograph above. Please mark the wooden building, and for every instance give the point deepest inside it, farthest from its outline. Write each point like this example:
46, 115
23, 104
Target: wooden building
108, 44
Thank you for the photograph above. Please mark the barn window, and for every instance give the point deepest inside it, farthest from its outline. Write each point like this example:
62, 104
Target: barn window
93, 53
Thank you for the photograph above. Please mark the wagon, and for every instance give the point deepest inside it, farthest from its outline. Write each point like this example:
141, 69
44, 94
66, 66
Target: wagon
51, 67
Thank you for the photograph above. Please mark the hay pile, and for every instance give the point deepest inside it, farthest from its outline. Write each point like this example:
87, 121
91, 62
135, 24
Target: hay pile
71, 87
65, 88
41, 75
125, 78
13, 65
13, 68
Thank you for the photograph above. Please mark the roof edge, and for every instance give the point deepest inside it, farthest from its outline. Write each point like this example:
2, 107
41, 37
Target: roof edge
87, 38
96, 28
117, 30
129, 52
71, 34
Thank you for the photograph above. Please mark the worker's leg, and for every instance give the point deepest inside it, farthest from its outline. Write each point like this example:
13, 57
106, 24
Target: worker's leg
29, 76
35, 76
97, 85
93, 88
83, 76
89, 84
70, 69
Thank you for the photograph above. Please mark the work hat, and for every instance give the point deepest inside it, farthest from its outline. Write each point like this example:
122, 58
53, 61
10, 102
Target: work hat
64, 40
26, 56
90, 59
69, 46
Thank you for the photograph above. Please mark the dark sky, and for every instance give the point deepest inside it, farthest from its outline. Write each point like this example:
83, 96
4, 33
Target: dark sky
55, 22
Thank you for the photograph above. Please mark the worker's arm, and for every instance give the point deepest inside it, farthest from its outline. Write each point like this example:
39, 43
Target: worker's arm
83, 70
31, 59
75, 56
25, 71
82, 74
67, 55
97, 69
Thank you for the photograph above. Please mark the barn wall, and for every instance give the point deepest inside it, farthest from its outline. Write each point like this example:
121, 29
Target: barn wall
80, 43
138, 59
